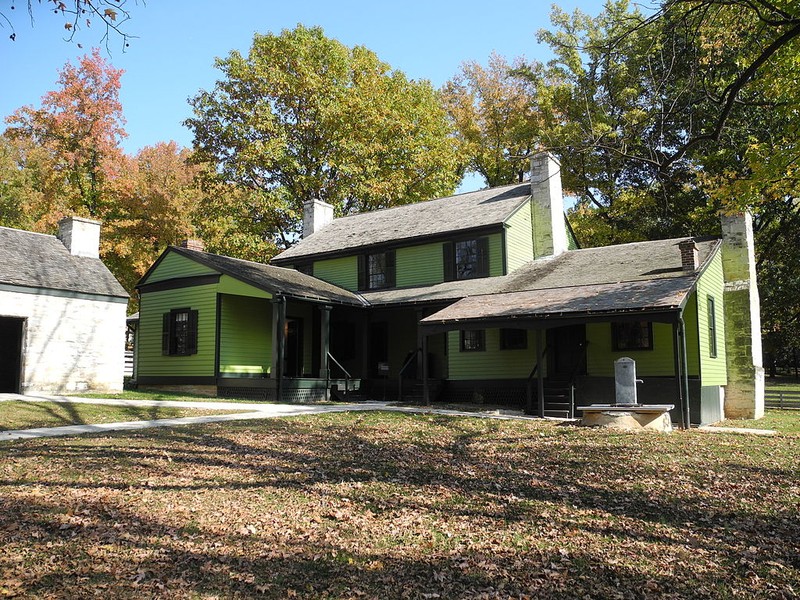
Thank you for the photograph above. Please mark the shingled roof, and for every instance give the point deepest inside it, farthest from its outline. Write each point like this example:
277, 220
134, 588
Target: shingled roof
642, 276
273, 279
462, 212
36, 260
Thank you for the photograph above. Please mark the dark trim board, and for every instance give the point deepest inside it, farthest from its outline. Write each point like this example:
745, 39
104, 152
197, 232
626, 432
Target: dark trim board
179, 282
23, 289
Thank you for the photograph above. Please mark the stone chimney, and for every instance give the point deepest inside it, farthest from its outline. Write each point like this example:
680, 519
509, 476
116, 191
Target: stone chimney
547, 207
744, 394
690, 256
316, 215
194, 244
80, 236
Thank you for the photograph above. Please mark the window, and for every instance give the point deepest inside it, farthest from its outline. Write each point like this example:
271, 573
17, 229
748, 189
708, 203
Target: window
473, 340
513, 339
179, 332
632, 335
376, 271
466, 259
712, 328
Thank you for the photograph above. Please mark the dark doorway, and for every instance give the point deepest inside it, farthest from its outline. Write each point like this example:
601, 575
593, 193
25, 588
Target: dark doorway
566, 351
378, 347
10, 354
294, 348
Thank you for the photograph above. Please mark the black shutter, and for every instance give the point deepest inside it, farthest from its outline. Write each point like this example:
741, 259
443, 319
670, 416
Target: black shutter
391, 279
165, 333
449, 258
191, 333
483, 257
362, 272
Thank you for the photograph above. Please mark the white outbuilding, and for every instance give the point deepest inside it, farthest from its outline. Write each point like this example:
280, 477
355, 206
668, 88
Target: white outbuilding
62, 312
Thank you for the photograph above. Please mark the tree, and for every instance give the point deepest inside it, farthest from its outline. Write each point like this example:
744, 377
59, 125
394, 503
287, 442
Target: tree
303, 116
497, 117
81, 126
77, 14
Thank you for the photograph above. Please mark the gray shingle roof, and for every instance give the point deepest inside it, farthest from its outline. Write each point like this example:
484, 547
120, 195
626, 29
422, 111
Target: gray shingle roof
274, 279
452, 214
41, 261
626, 277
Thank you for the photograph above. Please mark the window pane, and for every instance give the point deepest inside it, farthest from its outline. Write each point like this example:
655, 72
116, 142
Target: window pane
376, 271
634, 335
473, 340
513, 339
712, 328
466, 259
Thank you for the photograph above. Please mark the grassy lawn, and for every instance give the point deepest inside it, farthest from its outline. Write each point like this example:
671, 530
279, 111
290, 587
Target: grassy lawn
155, 395
782, 421
380, 505
28, 415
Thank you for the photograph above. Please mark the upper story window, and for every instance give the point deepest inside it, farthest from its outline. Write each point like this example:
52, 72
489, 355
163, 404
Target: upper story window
466, 259
179, 332
376, 271
632, 335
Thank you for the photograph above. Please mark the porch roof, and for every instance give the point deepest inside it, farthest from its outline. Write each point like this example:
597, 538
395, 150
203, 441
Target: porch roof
624, 279
276, 280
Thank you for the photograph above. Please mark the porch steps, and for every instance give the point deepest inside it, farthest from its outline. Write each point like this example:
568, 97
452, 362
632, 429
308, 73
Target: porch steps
557, 398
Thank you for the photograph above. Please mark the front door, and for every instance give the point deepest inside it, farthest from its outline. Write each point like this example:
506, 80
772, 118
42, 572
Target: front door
566, 351
378, 348
294, 348
10, 354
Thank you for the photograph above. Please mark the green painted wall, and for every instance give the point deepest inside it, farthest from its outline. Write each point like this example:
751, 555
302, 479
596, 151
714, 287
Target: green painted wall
419, 265
175, 265
692, 344
713, 371
151, 308
245, 335
496, 255
493, 363
654, 363
230, 285
519, 239
338, 271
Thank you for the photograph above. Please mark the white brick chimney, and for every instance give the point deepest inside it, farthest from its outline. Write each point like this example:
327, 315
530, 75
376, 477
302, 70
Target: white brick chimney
744, 394
547, 206
316, 215
80, 236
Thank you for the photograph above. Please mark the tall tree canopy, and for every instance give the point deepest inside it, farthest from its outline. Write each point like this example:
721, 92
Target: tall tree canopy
303, 116
498, 117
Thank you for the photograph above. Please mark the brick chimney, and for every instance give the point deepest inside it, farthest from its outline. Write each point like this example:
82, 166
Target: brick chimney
80, 236
690, 256
193, 244
547, 206
316, 215
744, 393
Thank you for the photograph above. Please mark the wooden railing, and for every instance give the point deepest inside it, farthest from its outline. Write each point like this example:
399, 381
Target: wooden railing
777, 398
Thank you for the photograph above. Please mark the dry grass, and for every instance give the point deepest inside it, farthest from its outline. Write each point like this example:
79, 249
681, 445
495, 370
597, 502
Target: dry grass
385, 505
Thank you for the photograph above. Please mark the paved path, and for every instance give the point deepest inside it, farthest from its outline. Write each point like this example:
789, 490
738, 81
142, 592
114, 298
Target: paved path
254, 411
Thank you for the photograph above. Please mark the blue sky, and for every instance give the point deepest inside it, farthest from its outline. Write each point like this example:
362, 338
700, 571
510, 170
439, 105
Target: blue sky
173, 56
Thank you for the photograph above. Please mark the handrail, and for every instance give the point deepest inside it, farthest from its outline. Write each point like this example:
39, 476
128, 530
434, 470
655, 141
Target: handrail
412, 357
581, 360
347, 376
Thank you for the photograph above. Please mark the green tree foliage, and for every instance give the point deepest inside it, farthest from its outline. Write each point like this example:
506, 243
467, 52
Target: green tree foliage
497, 116
303, 116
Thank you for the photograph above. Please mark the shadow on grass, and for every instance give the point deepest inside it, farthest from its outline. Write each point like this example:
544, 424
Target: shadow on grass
560, 488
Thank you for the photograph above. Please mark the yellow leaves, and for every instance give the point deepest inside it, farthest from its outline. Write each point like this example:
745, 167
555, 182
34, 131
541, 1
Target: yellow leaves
110, 13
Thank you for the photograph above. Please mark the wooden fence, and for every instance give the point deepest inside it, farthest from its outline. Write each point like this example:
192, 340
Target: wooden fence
777, 398
128, 363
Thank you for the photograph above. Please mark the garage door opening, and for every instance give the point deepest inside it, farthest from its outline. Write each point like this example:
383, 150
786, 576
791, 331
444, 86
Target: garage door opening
10, 354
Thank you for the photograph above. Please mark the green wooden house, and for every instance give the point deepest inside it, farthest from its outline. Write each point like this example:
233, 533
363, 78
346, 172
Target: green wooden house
480, 296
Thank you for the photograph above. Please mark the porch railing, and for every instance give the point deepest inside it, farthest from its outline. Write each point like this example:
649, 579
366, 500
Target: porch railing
578, 363
412, 356
347, 376
529, 385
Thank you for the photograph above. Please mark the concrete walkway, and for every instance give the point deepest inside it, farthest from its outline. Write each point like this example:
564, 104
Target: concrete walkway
254, 411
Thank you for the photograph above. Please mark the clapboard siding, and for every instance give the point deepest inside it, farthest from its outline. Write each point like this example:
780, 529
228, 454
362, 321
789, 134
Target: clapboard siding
174, 265
492, 363
713, 370
245, 335
338, 271
519, 239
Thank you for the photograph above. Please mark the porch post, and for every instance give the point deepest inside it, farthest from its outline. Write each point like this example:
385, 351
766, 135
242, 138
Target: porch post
278, 339
425, 388
540, 370
685, 358
324, 347
677, 351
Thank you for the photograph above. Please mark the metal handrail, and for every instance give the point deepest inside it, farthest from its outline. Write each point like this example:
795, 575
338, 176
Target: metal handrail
347, 376
411, 358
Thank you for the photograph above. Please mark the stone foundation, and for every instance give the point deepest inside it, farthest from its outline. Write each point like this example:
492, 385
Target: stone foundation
627, 419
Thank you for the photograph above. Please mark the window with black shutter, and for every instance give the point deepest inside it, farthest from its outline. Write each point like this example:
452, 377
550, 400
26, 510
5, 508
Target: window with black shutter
466, 259
179, 332
376, 271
